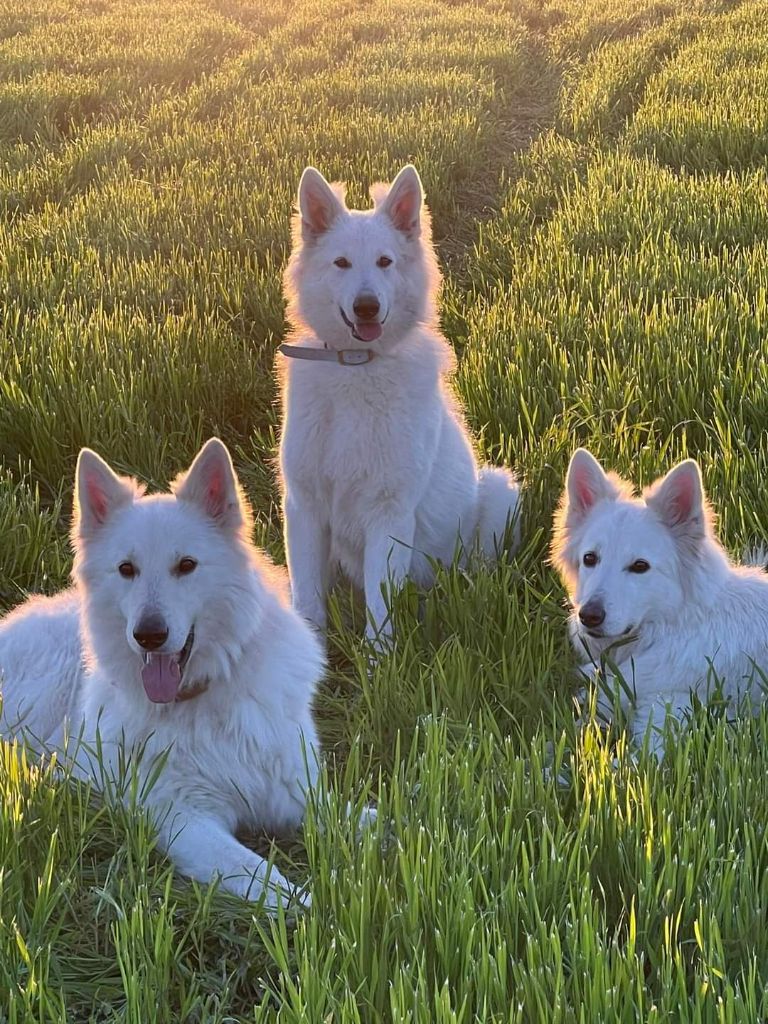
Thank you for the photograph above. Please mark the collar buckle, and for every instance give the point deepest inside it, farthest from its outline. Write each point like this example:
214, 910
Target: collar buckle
354, 356
192, 691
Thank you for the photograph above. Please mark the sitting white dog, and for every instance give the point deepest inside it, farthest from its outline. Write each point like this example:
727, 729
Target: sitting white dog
653, 589
378, 472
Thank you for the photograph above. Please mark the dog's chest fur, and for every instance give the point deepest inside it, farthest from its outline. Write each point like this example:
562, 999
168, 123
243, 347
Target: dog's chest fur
355, 436
240, 749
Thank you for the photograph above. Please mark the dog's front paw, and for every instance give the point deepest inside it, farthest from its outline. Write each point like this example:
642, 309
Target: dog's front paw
279, 891
292, 899
366, 819
271, 890
295, 898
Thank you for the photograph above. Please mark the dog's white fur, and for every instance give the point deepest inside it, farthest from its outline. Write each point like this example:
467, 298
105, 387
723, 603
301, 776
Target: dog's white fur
241, 753
691, 618
378, 471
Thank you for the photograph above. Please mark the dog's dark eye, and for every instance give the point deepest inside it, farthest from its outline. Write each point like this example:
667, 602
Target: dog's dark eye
590, 559
186, 566
342, 262
383, 261
639, 565
127, 570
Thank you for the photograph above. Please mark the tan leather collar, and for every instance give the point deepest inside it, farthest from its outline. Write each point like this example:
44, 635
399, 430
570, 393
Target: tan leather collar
192, 691
345, 356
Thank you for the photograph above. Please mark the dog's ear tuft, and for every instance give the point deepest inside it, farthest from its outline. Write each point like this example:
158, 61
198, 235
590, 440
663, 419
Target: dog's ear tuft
210, 483
586, 484
404, 201
98, 493
678, 500
319, 204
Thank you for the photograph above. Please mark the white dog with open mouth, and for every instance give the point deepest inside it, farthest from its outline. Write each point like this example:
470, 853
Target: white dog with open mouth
378, 472
176, 639
653, 589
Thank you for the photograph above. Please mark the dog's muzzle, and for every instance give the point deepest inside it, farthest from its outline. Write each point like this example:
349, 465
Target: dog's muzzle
162, 673
365, 330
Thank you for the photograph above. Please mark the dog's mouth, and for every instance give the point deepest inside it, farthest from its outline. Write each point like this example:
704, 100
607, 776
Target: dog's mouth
364, 330
162, 674
598, 634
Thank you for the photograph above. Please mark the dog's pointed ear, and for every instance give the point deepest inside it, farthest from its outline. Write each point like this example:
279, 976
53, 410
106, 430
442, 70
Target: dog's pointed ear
210, 483
404, 201
678, 500
319, 205
99, 492
586, 484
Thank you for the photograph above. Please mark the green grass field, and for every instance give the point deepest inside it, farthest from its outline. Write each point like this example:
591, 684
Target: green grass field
597, 176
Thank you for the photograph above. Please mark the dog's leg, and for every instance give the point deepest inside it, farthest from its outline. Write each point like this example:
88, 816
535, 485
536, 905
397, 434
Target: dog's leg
499, 519
650, 716
388, 553
203, 848
307, 545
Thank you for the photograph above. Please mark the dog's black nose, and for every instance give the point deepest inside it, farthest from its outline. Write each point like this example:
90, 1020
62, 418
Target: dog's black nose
366, 307
592, 614
151, 633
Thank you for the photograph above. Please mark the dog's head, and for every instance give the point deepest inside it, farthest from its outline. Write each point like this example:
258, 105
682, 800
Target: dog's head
362, 279
162, 576
627, 562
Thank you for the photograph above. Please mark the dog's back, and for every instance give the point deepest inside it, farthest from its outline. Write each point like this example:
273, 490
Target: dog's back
41, 667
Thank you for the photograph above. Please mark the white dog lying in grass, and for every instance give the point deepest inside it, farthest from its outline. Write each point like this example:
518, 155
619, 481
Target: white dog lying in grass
378, 471
653, 590
192, 655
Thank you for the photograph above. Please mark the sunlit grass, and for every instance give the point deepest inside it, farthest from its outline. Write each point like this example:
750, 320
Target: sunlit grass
606, 285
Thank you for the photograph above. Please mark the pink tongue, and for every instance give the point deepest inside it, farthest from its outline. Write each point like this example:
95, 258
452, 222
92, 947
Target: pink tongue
161, 677
368, 332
